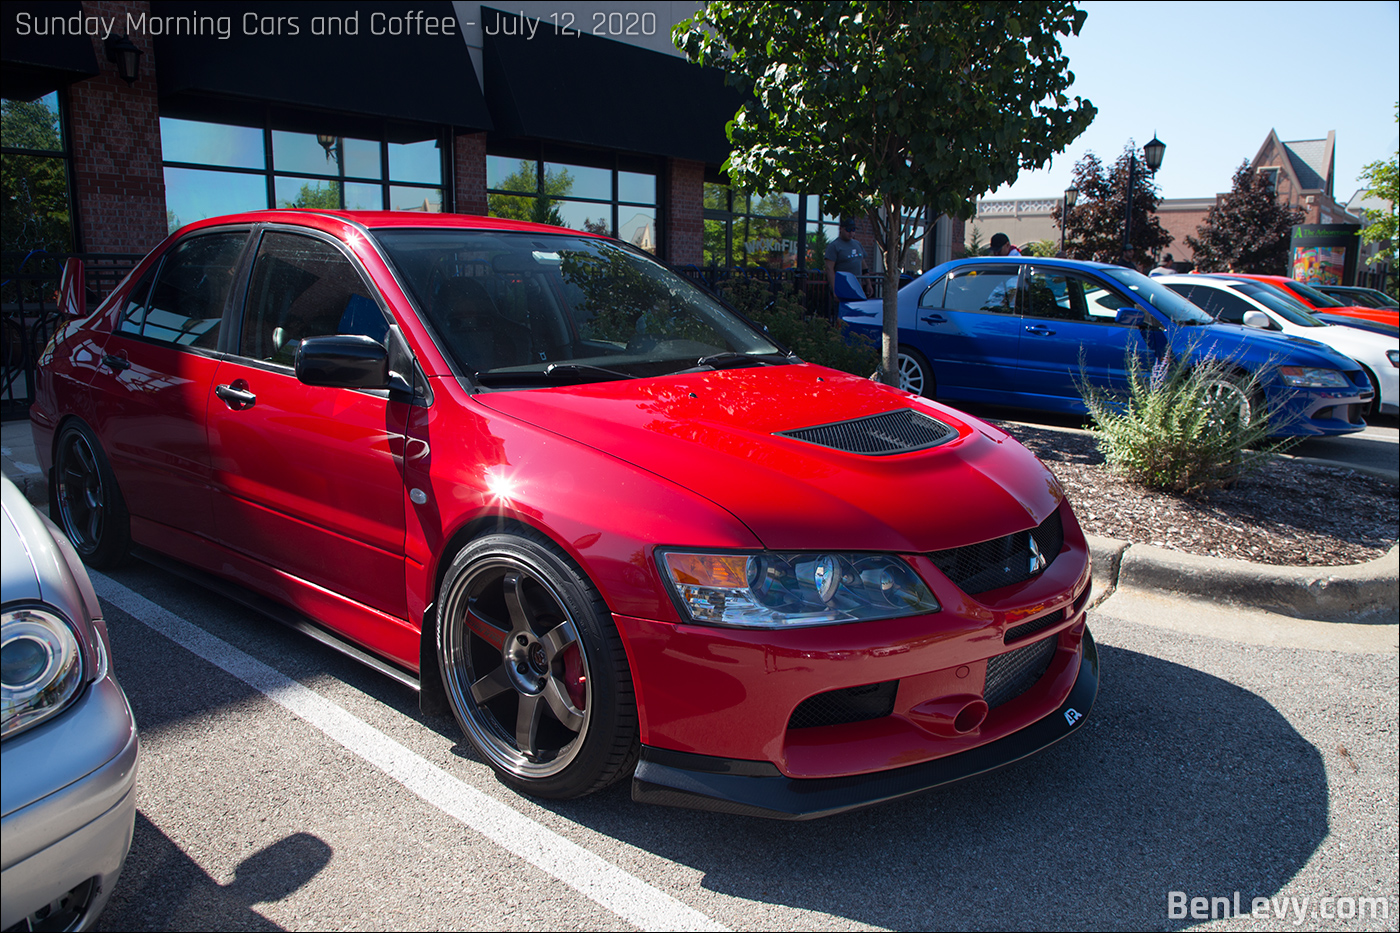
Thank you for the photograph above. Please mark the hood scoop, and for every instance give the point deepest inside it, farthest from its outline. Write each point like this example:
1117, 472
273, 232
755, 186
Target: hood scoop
893, 432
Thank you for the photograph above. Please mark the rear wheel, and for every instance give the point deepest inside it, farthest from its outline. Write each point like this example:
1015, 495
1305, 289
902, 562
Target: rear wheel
1374, 408
90, 507
915, 374
534, 669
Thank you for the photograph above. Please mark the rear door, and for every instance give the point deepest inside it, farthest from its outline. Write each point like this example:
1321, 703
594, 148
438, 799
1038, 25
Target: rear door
966, 325
153, 380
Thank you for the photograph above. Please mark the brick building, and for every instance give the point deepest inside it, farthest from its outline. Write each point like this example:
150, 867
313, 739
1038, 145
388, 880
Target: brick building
587, 117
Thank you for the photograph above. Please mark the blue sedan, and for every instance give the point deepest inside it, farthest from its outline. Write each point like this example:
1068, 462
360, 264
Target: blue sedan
1024, 331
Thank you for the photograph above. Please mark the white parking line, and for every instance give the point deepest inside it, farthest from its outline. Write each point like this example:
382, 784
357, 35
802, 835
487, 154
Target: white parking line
624, 894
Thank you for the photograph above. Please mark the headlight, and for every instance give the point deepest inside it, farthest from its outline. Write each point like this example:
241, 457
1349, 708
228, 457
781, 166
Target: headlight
769, 589
1312, 378
41, 667
1394, 357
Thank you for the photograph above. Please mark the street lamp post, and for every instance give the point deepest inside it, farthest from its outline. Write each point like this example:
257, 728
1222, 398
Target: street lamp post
1071, 195
1152, 153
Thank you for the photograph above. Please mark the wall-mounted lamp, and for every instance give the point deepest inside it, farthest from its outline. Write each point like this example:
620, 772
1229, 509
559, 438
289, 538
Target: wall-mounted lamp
123, 53
328, 143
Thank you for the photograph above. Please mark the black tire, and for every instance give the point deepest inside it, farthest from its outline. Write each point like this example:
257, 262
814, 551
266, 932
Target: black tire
86, 501
1374, 408
535, 672
915, 374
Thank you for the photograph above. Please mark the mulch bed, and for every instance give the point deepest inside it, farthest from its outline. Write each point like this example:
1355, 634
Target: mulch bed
1287, 513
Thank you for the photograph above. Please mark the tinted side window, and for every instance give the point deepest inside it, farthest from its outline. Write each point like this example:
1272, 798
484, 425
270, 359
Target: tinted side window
187, 302
989, 288
304, 287
1221, 305
933, 295
134, 314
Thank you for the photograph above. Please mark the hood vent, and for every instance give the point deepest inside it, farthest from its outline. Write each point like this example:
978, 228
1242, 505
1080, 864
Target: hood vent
894, 432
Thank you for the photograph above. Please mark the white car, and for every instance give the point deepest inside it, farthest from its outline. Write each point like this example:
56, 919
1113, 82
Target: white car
1257, 304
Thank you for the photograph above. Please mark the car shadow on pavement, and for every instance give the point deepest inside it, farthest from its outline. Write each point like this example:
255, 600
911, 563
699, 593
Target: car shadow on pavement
161, 888
1179, 781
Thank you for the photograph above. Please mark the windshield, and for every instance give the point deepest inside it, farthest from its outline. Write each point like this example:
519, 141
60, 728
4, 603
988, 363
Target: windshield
1156, 295
1315, 296
1278, 301
528, 309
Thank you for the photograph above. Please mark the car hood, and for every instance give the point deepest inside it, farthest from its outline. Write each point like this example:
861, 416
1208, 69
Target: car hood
1261, 347
716, 434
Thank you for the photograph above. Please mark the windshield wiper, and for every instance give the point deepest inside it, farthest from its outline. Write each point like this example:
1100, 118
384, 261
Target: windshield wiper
716, 360
572, 369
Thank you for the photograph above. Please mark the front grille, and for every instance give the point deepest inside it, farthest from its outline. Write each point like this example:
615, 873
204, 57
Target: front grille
1002, 561
851, 704
1012, 674
894, 432
1018, 632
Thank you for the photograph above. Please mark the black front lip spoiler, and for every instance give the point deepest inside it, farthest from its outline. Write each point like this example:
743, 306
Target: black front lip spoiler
758, 788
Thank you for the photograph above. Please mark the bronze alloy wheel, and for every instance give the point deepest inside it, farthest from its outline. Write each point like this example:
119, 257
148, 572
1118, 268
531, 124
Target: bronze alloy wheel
534, 670
90, 506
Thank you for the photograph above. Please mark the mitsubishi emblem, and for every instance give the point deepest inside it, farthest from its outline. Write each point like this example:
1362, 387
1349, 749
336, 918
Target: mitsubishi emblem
1038, 560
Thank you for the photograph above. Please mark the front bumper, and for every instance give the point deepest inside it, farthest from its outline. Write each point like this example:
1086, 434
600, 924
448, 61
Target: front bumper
65, 849
757, 788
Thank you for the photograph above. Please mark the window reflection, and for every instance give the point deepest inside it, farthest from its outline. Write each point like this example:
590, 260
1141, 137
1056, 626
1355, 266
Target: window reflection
211, 143
194, 194
580, 197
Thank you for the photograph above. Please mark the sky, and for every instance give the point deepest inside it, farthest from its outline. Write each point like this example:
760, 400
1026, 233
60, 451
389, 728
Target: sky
1211, 79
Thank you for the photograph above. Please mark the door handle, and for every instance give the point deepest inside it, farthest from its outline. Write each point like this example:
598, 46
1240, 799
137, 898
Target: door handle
237, 399
934, 319
1040, 330
117, 363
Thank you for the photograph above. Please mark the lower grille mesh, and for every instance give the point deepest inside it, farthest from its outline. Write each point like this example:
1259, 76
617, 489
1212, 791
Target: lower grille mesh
851, 704
1012, 674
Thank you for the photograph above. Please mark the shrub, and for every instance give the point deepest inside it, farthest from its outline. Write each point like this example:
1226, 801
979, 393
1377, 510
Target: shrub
812, 337
1185, 426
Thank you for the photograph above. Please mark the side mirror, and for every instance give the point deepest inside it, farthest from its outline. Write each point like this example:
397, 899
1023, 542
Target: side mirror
343, 361
1132, 317
848, 287
1257, 319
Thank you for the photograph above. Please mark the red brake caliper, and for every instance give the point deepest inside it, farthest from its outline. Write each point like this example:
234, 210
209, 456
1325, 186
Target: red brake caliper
574, 680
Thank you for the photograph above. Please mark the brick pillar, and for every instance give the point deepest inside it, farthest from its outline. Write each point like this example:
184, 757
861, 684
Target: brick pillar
469, 172
684, 218
116, 148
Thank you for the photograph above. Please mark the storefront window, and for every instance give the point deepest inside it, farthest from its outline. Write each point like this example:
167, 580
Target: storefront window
34, 165
213, 169
611, 201
743, 229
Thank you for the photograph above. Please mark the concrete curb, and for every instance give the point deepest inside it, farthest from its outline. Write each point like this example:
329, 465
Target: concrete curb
1326, 594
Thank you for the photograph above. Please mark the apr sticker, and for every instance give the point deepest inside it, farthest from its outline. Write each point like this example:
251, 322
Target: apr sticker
1073, 716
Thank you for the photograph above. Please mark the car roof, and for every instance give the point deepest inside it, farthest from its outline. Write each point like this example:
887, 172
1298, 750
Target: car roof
1037, 260
378, 220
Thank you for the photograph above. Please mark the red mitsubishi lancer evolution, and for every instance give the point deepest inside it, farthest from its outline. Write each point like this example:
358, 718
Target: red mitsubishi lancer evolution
556, 487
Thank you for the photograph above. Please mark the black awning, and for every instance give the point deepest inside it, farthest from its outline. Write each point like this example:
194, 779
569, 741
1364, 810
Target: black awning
44, 46
355, 66
597, 92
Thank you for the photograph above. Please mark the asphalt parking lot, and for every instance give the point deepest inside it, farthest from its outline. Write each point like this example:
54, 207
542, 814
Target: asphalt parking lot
284, 786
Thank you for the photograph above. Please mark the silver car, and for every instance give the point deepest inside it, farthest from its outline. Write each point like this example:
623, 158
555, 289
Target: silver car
69, 742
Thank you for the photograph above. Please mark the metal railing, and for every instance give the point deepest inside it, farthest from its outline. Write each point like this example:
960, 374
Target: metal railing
29, 315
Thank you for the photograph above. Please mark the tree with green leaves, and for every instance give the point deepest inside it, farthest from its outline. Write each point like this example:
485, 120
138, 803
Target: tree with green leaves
1094, 228
1383, 181
34, 211
891, 109
1247, 230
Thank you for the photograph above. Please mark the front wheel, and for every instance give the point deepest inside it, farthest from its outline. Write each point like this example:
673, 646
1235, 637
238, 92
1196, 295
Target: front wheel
1230, 403
534, 669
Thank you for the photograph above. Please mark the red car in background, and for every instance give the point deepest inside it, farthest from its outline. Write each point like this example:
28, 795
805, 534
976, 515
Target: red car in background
1317, 301
572, 497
